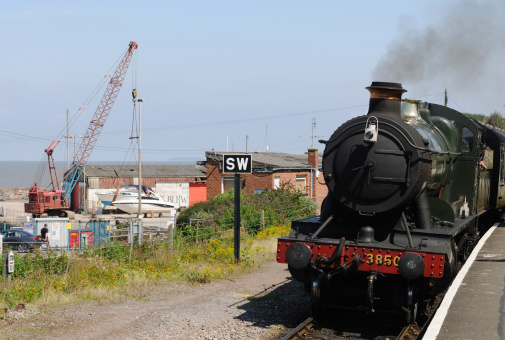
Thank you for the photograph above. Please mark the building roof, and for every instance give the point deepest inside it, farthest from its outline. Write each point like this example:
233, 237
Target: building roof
270, 161
148, 170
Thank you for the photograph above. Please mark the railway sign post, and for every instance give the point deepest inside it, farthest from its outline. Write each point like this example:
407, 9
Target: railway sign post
237, 164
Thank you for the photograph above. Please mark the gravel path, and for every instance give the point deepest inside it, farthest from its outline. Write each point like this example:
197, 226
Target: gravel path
257, 305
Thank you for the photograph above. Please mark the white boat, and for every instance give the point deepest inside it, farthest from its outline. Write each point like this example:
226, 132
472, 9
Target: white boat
151, 203
124, 193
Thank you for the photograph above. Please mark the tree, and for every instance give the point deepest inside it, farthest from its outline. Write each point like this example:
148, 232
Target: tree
477, 117
497, 120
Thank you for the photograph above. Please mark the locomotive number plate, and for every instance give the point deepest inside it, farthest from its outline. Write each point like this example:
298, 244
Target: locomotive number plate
386, 261
382, 260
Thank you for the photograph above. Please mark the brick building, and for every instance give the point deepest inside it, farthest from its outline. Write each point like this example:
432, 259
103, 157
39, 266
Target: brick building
181, 185
269, 171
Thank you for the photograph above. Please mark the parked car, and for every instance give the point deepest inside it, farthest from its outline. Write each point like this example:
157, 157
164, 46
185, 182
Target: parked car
21, 240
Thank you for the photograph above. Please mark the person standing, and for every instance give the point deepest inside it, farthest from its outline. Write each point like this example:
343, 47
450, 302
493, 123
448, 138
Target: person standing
482, 155
44, 232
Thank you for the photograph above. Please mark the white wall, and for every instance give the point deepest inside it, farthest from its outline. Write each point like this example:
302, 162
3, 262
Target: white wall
174, 193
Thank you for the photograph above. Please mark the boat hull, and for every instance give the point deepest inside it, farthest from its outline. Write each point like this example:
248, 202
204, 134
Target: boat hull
127, 193
107, 198
132, 206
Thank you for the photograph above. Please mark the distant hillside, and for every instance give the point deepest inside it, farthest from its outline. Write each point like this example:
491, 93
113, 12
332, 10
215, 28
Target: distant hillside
184, 160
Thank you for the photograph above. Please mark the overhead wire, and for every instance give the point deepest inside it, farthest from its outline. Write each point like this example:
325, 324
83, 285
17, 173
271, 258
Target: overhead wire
91, 96
42, 168
456, 104
24, 137
195, 125
97, 90
244, 120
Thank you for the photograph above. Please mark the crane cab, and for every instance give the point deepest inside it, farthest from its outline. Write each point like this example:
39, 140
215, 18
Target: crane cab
41, 201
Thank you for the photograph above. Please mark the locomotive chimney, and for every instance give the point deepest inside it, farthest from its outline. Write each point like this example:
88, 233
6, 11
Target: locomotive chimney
385, 99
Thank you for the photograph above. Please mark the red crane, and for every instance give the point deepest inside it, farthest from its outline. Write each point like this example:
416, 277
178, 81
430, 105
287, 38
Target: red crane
57, 202
52, 167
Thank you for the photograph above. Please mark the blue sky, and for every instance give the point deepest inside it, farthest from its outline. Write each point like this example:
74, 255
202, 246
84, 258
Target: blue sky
216, 71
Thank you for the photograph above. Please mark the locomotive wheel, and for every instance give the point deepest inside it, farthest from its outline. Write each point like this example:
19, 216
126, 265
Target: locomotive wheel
315, 297
410, 307
410, 314
467, 250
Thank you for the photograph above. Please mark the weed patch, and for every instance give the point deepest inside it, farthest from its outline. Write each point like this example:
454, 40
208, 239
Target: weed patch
196, 255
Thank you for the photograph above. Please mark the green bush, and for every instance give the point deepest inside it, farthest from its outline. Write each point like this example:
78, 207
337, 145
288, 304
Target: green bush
279, 206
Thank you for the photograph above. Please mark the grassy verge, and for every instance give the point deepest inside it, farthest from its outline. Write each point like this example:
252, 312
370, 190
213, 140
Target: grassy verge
115, 273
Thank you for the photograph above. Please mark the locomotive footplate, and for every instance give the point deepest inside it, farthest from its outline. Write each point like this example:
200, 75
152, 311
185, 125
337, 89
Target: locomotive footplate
374, 259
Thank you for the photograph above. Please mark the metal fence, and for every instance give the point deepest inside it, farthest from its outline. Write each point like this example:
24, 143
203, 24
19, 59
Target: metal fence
115, 234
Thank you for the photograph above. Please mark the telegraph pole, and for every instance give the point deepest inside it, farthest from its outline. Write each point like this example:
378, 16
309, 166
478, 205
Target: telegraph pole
313, 136
267, 139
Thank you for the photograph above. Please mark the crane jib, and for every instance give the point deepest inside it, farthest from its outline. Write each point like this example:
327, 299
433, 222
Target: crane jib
96, 125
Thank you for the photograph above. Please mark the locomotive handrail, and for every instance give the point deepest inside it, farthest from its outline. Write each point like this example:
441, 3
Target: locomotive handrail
407, 230
328, 220
336, 255
351, 264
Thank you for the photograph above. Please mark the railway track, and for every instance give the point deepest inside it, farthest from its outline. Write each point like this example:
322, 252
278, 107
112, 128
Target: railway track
410, 332
302, 330
310, 329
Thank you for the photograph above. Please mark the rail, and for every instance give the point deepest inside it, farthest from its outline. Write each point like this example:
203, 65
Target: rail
302, 330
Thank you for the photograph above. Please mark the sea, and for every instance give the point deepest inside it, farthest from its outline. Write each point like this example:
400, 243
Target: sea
23, 174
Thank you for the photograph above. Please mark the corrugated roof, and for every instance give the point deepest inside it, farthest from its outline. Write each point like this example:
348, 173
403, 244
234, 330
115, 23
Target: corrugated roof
271, 160
148, 170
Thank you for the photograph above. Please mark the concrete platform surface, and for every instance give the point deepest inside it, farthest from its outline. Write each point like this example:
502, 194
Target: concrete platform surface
477, 309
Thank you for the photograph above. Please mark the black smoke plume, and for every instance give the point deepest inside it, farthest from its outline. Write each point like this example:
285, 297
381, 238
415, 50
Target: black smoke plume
463, 52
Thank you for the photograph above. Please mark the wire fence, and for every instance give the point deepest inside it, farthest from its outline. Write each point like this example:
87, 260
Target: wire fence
124, 240
12, 218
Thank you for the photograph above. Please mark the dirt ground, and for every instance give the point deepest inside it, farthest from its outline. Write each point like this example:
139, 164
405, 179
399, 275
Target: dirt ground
257, 305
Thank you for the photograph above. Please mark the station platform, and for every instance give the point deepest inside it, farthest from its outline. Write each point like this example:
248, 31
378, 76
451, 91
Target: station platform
474, 306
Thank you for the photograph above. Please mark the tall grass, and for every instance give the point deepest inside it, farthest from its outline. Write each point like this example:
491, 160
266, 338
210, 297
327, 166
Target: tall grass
108, 273
119, 271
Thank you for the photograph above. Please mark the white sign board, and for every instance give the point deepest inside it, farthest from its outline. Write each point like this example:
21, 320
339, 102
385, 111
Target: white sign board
11, 263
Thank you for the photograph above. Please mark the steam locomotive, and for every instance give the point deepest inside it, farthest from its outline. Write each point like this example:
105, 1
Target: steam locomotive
407, 199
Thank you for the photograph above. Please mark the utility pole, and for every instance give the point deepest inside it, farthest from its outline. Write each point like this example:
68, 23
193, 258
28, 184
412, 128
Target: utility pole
68, 144
68, 158
267, 139
246, 143
445, 97
313, 127
140, 101
313, 131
